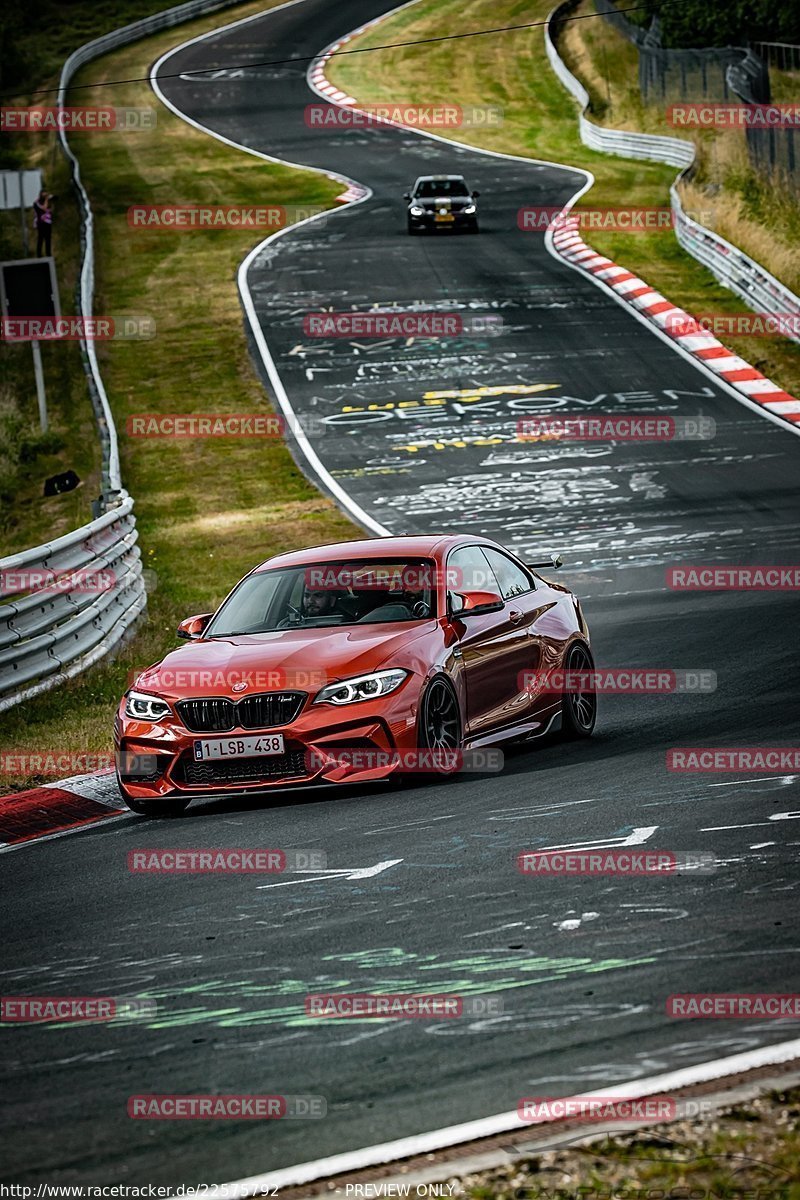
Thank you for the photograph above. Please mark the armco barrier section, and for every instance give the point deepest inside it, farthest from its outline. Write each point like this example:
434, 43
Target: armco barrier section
49, 634
68, 603
733, 268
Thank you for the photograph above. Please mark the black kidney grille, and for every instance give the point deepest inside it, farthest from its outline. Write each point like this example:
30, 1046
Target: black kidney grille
269, 709
206, 716
291, 765
264, 711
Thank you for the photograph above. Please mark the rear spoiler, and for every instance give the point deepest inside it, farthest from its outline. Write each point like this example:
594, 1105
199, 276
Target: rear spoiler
554, 561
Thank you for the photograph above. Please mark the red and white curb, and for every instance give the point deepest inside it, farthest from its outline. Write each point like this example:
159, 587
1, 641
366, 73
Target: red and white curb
48, 812
323, 87
703, 347
320, 83
317, 72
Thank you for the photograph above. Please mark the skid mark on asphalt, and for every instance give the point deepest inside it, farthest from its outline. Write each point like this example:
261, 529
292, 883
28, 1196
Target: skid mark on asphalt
652, 1062
555, 808
219, 1002
421, 823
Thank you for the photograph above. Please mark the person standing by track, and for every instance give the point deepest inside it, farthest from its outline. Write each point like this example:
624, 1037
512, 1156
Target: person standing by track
43, 223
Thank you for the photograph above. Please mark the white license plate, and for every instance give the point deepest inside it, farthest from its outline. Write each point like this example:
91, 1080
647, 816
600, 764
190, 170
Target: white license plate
244, 747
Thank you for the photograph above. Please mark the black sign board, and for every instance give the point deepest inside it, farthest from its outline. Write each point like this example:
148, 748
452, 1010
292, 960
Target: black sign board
29, 288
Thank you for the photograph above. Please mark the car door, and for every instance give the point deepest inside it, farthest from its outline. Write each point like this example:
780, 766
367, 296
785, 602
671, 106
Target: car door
493, 646
529, 601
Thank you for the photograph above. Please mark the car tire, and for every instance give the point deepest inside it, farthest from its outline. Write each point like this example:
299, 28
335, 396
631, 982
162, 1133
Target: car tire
439, 723
473, 228
172, 806
578, 709
412, 229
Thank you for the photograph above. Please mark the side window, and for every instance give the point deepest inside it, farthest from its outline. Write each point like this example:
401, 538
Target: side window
468, 571
513, 580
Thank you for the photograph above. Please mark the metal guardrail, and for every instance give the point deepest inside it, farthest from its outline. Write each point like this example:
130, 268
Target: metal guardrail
67, 603
49, 634
783, 55
733, 268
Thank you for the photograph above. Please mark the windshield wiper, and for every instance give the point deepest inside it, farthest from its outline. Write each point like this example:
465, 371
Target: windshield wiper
241, 633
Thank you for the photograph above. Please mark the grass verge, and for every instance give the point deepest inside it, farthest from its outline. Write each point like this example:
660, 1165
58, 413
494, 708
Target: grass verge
511, 70
747, 1150
33, 46
28, 456
207, 509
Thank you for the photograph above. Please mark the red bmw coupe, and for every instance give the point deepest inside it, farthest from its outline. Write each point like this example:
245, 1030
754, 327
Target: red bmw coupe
351, 662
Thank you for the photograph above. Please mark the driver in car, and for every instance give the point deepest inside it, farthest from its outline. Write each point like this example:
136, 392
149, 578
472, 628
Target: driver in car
315, 604
318, 604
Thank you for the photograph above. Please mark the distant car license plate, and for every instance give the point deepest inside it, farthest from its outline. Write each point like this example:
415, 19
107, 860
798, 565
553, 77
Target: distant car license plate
246, 747
445, 217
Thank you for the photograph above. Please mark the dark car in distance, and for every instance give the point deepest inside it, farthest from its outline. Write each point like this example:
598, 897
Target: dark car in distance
441, 202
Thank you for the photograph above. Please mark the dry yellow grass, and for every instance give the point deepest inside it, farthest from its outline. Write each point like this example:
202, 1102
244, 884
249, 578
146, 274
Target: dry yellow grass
725, 189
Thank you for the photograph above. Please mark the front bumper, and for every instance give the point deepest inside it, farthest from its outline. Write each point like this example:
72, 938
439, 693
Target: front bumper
324, 744
433, 220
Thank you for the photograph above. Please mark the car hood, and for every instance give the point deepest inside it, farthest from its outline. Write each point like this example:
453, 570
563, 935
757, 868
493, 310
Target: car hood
296, 659
454, 203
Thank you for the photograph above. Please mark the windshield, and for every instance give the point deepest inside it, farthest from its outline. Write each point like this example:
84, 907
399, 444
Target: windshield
442, 187
366, 592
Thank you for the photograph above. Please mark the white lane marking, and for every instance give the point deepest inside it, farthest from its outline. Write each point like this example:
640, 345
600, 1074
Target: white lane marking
507, 1122
783, 779
780, 816
639, 835
497, 929
762, 845
334, 873
301, 437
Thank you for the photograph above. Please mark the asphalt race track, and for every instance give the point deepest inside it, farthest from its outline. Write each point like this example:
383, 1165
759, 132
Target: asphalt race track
583, 966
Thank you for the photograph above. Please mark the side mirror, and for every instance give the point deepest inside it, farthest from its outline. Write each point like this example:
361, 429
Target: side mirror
475, 603
192, 627
475, 195
406, 195
554, 561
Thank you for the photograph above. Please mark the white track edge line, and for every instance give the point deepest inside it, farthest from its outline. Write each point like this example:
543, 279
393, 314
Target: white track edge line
507, 1122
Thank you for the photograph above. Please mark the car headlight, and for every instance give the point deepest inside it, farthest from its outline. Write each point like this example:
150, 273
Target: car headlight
145, 708
469, 209
416, 211
362, 687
